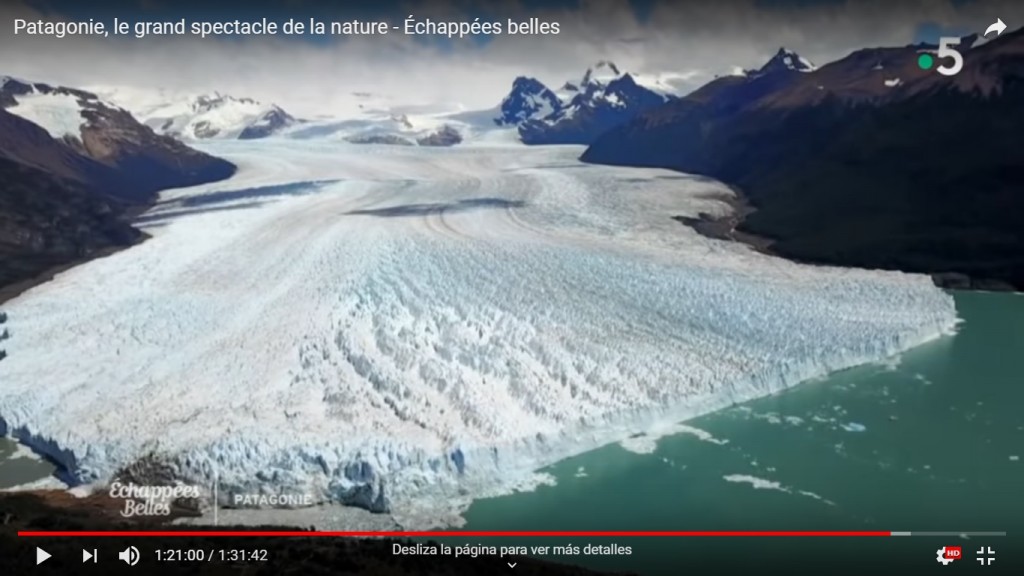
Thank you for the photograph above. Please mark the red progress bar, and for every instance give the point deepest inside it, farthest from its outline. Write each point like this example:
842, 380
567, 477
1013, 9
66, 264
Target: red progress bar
456, 534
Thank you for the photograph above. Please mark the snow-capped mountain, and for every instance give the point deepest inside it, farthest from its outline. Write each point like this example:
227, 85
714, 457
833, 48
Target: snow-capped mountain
202, 116
78, 135
603, 98
398, 128
442, 135
785, 59
219, 115
71, 163
603, 85
529, 99
56, 109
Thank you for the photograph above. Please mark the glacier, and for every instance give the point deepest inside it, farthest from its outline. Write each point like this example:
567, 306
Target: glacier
405, 329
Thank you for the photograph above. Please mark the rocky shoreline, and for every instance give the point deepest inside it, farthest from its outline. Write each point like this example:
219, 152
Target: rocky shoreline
730, 227
727, 227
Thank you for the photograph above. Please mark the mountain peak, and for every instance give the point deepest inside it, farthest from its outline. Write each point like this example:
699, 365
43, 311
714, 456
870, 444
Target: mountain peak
528, 99
786, 59
626, 79
527, 83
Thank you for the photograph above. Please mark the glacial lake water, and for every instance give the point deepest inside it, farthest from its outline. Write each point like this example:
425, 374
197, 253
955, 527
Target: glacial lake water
930, 441
19, 466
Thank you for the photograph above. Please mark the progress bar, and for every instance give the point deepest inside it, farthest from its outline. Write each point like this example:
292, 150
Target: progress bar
486, 534
953, 534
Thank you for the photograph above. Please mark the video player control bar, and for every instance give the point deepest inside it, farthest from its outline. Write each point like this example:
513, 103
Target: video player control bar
485, 534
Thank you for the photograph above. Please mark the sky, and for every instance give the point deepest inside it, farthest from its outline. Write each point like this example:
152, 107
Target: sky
689, 41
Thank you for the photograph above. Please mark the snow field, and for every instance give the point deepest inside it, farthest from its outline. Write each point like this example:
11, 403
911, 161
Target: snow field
59, 114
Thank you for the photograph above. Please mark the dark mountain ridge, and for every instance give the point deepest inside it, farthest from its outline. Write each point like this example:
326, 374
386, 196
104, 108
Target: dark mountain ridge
115, 154
868, 161
63, 200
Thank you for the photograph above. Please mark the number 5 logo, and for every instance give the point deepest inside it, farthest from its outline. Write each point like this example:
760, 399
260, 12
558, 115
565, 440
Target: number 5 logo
946, 50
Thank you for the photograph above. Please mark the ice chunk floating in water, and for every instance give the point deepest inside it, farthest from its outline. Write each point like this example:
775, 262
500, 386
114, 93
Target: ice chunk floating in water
398, 327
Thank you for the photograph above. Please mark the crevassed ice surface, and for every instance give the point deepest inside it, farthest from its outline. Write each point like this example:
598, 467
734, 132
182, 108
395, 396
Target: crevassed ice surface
397, 327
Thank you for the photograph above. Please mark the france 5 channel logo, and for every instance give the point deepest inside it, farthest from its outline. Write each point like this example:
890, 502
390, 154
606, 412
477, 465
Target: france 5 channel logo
947, 52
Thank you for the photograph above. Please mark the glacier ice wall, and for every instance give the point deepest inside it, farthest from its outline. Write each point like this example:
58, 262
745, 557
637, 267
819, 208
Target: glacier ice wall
406, 329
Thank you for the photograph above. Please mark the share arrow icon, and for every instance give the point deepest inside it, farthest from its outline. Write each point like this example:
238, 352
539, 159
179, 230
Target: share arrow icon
998, 27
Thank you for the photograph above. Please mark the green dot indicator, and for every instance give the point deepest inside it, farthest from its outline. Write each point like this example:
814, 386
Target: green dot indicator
925, 61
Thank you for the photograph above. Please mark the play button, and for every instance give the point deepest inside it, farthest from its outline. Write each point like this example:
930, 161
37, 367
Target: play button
41, 556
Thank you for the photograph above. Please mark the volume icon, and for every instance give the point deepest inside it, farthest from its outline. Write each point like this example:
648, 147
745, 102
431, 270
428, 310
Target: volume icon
129, 555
